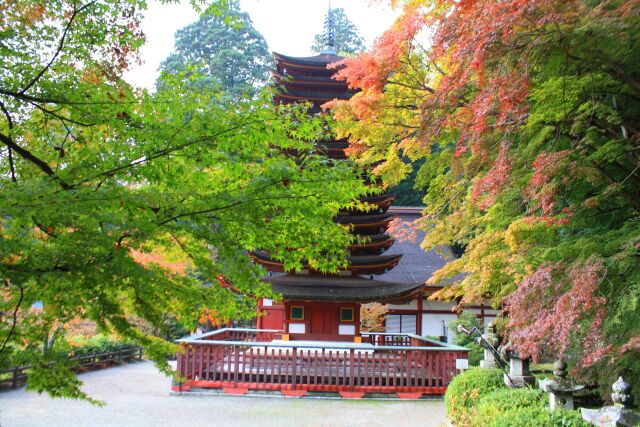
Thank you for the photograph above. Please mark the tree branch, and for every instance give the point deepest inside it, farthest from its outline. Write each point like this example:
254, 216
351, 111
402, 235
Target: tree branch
6, 114
230, 205
27, 155
164, 152
200, 212
40, 99
59, 117
12, 168
14, 316
60, 45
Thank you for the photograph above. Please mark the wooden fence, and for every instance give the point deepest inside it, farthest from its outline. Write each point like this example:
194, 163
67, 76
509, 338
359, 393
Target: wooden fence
211, 362
398, 340
18, 374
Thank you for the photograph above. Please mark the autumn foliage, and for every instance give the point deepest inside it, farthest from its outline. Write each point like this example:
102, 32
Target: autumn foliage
372, 317
526, 114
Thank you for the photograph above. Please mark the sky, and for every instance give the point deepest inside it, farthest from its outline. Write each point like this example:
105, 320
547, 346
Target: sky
288, 26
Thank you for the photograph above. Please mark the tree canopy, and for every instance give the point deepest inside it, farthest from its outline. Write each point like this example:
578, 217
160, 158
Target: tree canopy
347, 40
117, 204
526, 115
224, 50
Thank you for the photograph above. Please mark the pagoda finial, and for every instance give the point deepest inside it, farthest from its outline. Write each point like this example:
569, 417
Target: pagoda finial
329, 34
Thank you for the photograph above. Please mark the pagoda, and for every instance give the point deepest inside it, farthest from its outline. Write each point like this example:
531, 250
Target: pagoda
310, 341
318, 306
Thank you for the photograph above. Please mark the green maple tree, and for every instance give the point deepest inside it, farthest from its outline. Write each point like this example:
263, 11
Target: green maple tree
115, 202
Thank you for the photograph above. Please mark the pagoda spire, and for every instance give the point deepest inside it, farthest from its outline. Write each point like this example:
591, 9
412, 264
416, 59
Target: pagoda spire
329, 34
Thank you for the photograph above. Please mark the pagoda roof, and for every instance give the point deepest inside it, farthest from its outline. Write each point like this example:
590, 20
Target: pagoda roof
301, 79
361, 264
417, 264
340, 288
317, 60
365, 218
310, 95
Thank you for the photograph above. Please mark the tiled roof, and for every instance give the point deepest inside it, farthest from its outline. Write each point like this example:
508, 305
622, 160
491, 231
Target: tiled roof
339, 288
417, 265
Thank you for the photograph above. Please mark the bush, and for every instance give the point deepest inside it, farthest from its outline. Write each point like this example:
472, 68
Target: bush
539, 417
98, 344
506, 407
465, 390
504, 400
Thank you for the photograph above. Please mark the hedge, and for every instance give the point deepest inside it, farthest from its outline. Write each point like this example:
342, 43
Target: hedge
465, 389
504, 400
98, 344
479, 398
539, 417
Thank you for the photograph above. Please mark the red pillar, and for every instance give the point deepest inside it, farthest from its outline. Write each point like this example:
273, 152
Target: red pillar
419, 316
259, 319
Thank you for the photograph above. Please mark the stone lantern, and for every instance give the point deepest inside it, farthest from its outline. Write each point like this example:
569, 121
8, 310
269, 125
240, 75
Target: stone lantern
561, 390
620, 413
489, 342
519, 373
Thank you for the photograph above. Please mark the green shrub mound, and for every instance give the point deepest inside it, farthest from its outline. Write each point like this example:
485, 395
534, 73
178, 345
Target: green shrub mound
495, 404
539, 417
465, 389
479, 398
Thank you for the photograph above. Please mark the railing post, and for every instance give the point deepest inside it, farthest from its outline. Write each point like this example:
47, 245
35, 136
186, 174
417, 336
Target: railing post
352, 365
236, 355
295, 366
180, 364
186, 361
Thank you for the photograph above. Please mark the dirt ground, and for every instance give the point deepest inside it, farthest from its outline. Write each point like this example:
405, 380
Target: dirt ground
136, 394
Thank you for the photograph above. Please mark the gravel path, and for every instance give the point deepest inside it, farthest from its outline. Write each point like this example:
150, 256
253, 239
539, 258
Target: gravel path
136, 394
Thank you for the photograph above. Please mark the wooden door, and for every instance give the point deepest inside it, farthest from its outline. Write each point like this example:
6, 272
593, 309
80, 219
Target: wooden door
323, 319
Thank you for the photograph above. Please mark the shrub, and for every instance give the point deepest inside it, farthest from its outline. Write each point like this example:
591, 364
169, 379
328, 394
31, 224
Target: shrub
465, 390
539, 417
504, 400
98, 344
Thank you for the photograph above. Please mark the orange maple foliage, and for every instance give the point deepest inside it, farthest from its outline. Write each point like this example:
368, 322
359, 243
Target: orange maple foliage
148, 258
474, 88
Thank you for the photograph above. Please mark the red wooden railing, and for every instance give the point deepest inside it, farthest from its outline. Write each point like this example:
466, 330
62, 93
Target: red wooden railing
240, 334
398, 340
211, 362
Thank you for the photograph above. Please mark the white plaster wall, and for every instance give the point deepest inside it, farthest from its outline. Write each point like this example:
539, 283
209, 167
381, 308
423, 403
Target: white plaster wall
437, 305
346, 329
297, 328
412, 305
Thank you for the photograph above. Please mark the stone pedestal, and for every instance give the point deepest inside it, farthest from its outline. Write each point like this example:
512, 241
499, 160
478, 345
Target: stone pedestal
519, 373
489, 361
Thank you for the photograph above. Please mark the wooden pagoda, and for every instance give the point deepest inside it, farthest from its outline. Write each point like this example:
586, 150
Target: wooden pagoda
301, 345
319, 306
